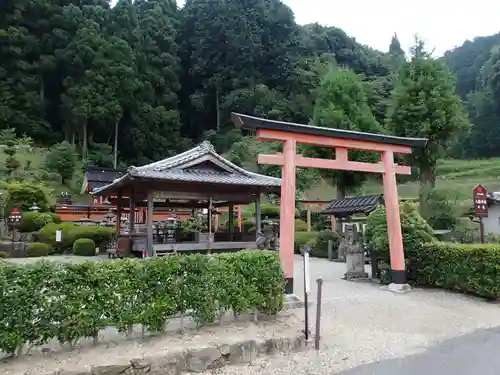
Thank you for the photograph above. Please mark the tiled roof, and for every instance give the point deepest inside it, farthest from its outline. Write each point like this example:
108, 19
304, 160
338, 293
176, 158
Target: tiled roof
101, 175
200, 164
353, 205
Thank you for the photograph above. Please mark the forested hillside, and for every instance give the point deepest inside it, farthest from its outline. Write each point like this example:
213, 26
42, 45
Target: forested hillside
476, 66
160, 77
146, 80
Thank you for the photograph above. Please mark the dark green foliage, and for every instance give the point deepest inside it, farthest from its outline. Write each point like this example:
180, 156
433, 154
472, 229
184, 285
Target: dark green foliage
11, 163
37, 249
341, 103
130, 292
34, 221
84, 247
318, 241
24, 194
424, 104
464, 268
4, 255
61, 159
415, 230
100, 235
320, 247
443, 210
300, 225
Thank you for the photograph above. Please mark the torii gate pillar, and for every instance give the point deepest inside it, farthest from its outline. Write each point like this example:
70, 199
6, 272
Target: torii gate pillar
342, 141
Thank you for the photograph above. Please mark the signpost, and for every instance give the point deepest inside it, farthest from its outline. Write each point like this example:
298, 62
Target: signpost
479, 194
13, 222
307, 288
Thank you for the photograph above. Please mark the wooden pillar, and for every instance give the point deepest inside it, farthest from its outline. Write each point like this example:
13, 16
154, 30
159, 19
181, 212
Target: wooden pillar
240, 224
333, 224
287, 213
118, 215
393, 220
149, 224
231, 222
258, 217
131, 220
309, 223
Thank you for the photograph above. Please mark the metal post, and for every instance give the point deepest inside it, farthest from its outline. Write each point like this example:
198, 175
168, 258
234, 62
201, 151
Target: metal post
307, 287
318, 314
481, 229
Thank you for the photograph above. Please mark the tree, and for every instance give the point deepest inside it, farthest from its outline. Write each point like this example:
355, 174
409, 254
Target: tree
11, 163
61, 159
341, 103
424, 104
396, 53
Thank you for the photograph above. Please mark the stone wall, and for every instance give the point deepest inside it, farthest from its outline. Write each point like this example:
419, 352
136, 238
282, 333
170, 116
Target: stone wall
197, 360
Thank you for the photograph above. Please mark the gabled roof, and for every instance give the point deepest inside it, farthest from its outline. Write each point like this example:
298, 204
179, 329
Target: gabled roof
200, 164
353, 205
97, 177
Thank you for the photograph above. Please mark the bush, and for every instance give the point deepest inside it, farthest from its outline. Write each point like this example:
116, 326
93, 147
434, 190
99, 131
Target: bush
34, 221
55, 218
415, 230
23, 194
61, 159
4, 255
300, 225
84, 247
100, 235
119, 294
37, 249
303, 238
47, 234
460, 267
320, 246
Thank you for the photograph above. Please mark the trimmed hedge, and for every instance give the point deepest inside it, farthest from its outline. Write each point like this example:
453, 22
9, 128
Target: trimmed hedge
37, 249
318, 242
467, 268
84, 247
43, 301
34, 221
72, 232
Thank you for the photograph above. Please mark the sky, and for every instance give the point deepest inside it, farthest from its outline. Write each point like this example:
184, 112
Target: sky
442, 24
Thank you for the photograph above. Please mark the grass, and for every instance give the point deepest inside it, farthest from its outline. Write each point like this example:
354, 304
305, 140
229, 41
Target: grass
32, 168
458, 177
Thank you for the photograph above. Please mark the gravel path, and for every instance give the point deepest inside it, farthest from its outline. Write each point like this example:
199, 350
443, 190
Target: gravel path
362, 324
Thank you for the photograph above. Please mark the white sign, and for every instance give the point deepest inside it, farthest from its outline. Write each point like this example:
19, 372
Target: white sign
306, 272
58, 235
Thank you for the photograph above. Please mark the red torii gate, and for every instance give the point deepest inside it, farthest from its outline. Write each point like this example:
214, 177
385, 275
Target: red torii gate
341, 140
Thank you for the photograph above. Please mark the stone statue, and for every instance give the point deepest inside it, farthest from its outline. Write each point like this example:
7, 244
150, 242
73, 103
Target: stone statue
355, 253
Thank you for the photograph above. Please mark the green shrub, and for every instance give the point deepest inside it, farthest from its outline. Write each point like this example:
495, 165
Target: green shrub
100, 235
415, 230
300, 225
34, 221
47, 234
84, 247
320, 246
55, 218
120, 294
468, 268
23, 194
37, 249
303, 238
4, 255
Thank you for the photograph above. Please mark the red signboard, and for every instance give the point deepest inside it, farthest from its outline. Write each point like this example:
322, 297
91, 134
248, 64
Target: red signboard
480, 201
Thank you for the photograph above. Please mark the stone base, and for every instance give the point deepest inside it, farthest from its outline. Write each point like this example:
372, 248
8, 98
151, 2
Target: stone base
198, 359
355, 275
292, 301
397, 288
